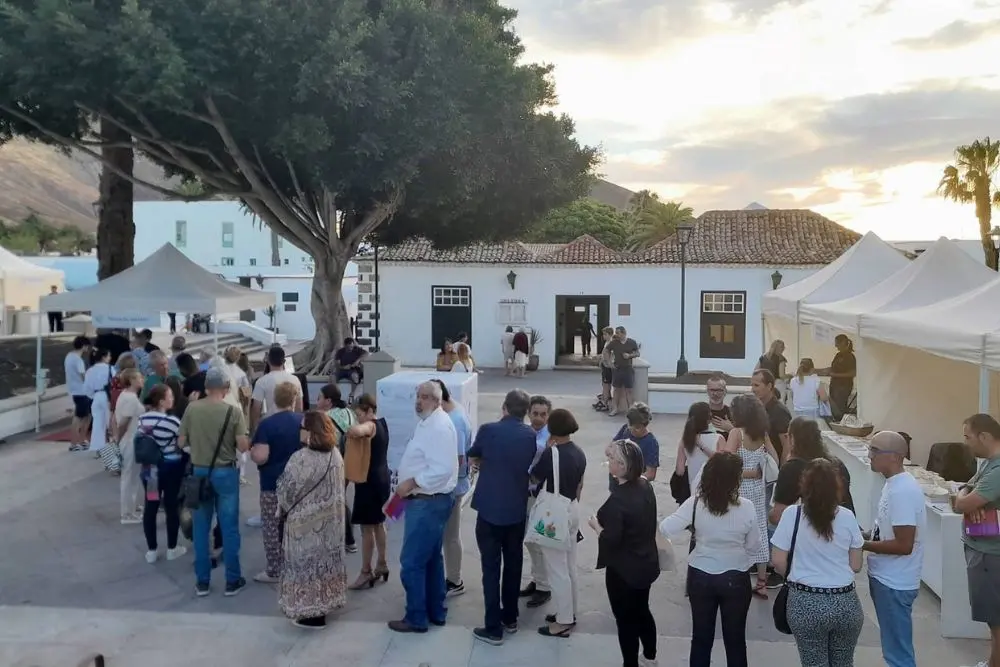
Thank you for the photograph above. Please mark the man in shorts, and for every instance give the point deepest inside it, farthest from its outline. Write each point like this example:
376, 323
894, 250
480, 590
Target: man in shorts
623, 350
607, 370
979, 501
75, 366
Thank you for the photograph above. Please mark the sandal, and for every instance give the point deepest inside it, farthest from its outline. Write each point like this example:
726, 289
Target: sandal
365, 580
760, 590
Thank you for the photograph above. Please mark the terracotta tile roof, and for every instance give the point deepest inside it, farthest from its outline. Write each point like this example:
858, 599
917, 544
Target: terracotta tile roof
780, 237
768, 237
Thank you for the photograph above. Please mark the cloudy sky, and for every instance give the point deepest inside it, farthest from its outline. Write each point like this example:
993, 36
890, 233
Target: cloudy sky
847, 107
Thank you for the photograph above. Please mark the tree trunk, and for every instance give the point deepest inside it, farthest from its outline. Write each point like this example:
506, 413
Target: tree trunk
115, 226
329, 313
275, 249
984, 212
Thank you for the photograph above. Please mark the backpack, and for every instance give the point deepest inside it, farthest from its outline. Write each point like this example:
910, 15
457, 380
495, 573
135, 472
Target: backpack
147, 449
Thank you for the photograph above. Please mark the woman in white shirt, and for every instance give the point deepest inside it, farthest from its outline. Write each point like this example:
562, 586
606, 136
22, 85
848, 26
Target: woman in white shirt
728, 542
464, 363
127, 412
96, 385
698, 442
807, 390
824, 612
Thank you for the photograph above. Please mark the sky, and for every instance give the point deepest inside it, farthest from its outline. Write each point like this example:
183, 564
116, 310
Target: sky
850, 108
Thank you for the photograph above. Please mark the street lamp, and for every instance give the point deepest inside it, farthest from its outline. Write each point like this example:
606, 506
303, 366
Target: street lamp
776, 279
683, 236
378, 324
995, 235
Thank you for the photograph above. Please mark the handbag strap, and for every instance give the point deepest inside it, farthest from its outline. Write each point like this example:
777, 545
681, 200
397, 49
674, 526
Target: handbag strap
222, 436
791, 547
314, 486
555, 469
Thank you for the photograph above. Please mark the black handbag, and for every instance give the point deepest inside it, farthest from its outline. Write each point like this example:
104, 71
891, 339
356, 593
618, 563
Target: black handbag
780, 609
680, 487
147, 449
196, 490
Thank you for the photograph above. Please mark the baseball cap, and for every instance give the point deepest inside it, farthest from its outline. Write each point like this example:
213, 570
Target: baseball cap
216, 378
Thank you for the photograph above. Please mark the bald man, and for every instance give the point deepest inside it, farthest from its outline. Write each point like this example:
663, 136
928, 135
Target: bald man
896, 548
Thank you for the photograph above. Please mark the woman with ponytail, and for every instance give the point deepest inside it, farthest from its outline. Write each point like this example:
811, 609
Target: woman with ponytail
841, 372
698, 442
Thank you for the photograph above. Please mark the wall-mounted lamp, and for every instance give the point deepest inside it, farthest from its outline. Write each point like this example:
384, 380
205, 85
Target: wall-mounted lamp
995, 235
776, 279
511, 279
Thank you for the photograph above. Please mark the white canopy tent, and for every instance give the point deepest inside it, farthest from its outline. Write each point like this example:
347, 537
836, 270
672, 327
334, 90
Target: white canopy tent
166, 281
24, 283
887, 394
865, 264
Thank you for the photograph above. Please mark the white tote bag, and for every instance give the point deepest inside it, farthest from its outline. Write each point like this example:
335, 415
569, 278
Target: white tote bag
549, 524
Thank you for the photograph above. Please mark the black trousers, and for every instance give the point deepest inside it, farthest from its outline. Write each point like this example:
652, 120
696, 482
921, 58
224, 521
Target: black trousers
169, 478
502, 556
728, 593
585, 344
55, 322
636, 626
173, 322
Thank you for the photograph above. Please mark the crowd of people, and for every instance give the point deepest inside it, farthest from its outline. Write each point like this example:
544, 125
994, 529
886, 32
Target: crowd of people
765, 504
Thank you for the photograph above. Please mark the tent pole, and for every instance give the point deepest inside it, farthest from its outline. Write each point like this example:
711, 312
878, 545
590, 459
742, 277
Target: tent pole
38, 373
215, 330
798, 337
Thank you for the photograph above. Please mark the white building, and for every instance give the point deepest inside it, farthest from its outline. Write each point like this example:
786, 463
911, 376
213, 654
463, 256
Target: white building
733, 258
222, 237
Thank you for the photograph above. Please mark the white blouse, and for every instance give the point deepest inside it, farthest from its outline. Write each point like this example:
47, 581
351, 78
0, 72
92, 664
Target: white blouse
805, 393
723, 543
816, 561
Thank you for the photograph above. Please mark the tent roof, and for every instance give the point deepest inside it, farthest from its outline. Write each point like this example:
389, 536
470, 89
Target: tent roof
959, 328
12, 266
866, 263
166, 281
942, 272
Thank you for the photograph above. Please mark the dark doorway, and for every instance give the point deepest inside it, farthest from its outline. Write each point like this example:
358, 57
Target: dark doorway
573, 313
247, 315
451, 313
723, 325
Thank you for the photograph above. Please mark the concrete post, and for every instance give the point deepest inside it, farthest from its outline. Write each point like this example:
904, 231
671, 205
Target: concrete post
378, 365
640, 390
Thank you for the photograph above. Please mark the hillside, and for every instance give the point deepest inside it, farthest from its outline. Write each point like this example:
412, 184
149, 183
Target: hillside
59, 188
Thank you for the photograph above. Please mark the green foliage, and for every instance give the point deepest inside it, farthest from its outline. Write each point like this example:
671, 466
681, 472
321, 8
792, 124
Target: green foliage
583, 216
327, 117
653, 220
36, 236
973, 180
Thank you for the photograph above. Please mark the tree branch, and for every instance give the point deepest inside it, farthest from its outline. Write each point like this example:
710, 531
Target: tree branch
307, 220
278, 211
382, 212
76, 145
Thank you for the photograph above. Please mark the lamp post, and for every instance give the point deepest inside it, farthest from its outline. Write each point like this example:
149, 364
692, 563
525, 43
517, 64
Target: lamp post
378, 324
995, 235
683, 236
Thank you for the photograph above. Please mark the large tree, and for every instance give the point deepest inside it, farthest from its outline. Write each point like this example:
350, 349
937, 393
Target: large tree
973, 179
583, 216
328, 118
654, 220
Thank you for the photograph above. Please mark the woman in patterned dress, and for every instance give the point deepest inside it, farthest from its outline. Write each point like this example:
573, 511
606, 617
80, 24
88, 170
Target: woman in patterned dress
749, 439
311, 499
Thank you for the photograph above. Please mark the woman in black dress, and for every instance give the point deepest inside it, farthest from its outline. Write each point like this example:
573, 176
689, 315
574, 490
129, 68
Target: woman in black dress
371, 495
841, 372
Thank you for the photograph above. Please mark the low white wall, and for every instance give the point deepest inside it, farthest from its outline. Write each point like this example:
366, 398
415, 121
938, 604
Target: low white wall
17, 414
253, 332
676, 399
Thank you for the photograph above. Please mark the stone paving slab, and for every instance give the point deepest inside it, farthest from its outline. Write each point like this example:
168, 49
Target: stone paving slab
64, 555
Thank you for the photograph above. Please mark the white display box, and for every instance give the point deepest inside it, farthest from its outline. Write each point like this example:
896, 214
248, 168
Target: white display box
397, 395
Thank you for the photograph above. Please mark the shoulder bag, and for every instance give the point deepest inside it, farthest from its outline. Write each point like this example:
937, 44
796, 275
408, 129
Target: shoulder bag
300, 526
549, 524
197, 490
780, 609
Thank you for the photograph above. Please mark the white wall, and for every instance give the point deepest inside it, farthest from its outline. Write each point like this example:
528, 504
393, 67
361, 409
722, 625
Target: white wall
293, 317
652, 292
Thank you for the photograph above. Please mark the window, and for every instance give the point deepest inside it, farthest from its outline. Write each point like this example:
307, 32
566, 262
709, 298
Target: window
451, 296
228, 261
181, 233
253, 261
290, 297
290, 307
227, 235
510, 312
723, 325
286, 261
624, 310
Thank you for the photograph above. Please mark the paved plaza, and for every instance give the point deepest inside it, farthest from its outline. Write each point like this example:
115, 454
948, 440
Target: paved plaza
73, 581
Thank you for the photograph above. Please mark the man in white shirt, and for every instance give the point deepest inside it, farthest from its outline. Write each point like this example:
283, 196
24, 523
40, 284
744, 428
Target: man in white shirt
896, 547
263, 392
75, 368
428, 473
537, 591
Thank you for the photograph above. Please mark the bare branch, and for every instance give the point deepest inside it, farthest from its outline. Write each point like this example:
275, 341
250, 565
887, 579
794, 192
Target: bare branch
278, 212
76, 145
307, 219
375, 217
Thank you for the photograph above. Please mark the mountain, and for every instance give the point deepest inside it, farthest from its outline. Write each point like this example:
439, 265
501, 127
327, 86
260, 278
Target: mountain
611, 194
59, 187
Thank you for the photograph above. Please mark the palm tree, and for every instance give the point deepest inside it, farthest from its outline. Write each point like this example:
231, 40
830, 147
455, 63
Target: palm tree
653, 220
971, 180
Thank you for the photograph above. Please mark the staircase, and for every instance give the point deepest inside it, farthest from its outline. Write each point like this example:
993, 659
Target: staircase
196, 343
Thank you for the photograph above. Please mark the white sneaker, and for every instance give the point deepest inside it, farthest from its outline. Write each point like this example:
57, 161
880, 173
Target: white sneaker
130, 520
151, 557
265, 578
983, 663
646, 662
176, 552
254, 522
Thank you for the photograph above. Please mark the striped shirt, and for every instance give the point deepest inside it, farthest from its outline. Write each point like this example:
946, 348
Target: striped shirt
164, 429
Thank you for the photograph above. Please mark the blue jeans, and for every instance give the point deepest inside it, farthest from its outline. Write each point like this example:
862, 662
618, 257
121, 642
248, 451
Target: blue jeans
895, 619
226, 484
420, 561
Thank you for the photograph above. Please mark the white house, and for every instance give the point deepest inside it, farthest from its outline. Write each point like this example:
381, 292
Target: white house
733, 258
221, 236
